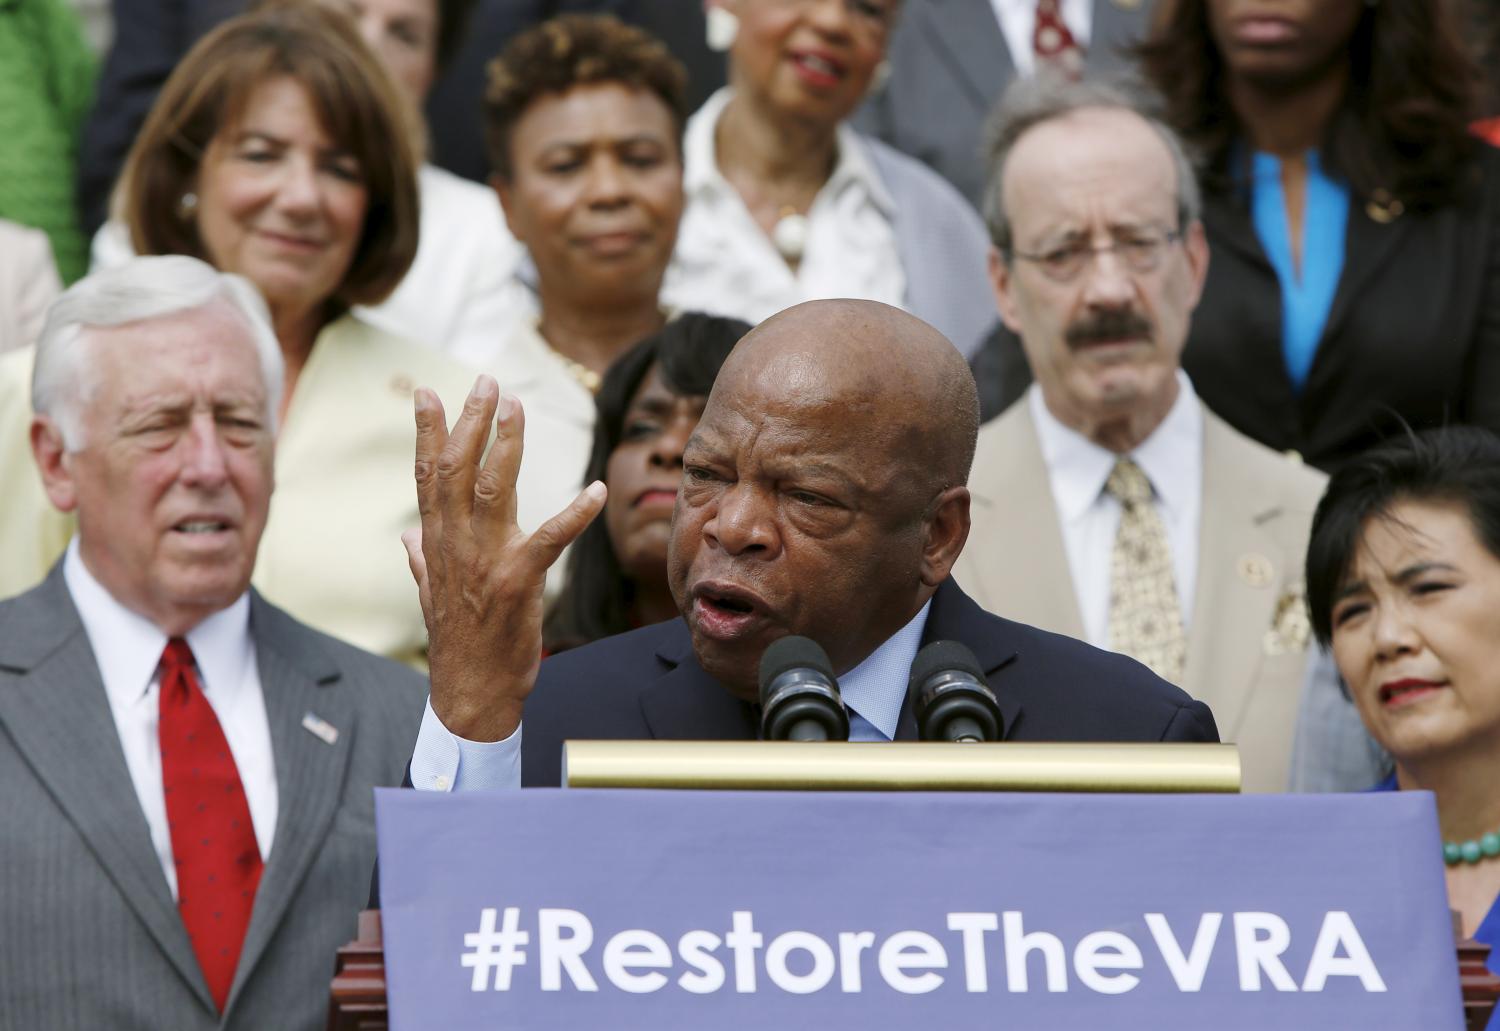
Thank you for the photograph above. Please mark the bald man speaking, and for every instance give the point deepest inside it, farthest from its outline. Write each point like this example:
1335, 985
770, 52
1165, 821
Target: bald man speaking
823, 495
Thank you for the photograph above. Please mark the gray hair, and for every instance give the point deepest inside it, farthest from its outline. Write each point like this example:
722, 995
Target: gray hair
1035, 100
63, 381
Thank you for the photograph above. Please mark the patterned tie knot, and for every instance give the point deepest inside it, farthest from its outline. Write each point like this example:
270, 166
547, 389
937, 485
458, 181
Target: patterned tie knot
176, 658
1128, 484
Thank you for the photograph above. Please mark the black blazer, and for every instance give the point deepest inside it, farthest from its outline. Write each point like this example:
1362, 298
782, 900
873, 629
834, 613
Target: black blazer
648, 684
151, 36
1413, 334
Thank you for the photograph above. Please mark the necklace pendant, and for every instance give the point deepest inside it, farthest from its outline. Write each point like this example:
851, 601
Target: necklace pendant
790, 236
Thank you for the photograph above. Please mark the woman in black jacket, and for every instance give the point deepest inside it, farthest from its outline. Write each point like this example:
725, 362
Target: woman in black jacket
1354, 219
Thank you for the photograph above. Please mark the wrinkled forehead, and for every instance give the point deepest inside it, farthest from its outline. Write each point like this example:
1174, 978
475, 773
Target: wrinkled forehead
799, 404
209, 350
800, 384
1093, 166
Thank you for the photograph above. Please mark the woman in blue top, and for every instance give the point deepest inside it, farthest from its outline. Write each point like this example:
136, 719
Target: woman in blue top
1353, 217
1403, 581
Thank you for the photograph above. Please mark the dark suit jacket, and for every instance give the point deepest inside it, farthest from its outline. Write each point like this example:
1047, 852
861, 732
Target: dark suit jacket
648, 684
1413, 334
151, 36
89, 934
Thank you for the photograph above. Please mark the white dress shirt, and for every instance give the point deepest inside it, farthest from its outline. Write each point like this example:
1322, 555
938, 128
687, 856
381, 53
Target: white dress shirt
128, 648
874, 691
725, 263
1171, 458
1018, 22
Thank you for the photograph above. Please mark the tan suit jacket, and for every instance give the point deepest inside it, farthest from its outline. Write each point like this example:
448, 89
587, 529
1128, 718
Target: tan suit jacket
1248, 632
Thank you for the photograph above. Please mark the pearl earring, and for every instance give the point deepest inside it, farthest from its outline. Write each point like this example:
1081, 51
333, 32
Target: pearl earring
723, 27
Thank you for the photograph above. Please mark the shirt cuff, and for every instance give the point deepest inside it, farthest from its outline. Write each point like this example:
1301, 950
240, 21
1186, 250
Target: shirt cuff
443, 761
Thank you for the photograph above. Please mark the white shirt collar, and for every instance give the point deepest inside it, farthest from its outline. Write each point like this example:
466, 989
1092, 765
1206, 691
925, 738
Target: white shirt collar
853, 169
127, 646
876, 688
1079, 468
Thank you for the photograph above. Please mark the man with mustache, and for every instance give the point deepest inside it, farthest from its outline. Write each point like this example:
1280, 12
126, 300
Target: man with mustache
823, 495
1108, 503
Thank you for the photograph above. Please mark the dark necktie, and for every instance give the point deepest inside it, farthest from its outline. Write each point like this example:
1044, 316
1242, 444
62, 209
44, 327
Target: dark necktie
1056, 49
213, 841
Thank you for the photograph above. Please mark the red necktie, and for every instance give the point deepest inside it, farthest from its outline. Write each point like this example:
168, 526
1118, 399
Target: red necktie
1056, 49
213, 841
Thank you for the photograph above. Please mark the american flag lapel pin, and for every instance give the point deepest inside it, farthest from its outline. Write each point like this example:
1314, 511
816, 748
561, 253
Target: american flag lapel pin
321, 728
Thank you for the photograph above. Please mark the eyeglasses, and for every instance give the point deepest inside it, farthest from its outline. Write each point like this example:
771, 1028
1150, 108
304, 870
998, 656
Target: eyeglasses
1140, 253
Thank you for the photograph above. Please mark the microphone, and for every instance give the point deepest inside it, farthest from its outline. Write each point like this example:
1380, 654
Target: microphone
799, 697
953, 702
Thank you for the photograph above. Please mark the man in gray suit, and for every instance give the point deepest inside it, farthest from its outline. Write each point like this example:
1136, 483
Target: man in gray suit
950, 60
187, 771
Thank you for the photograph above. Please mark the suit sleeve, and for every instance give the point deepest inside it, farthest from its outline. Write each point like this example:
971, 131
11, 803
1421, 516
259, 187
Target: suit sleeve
1192, 722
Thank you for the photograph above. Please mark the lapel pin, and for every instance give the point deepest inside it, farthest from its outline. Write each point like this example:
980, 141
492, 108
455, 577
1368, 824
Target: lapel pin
1383, 208
320, 728
1255, 570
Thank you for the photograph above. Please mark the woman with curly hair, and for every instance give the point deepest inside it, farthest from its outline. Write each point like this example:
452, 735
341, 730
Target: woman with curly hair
584, 119
1354, 218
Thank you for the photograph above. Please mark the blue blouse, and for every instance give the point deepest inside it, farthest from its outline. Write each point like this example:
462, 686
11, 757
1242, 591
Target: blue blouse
1489, 928
1306, 298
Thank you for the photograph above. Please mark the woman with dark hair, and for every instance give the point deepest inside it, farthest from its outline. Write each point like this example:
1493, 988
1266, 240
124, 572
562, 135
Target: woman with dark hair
465, 278
1403, 581
1354, 218
649, 405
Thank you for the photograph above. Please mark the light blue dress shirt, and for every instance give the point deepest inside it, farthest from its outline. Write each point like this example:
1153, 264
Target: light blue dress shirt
1306, 293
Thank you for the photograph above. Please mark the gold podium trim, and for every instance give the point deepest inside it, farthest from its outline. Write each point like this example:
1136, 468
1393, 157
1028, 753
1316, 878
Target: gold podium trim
902, 766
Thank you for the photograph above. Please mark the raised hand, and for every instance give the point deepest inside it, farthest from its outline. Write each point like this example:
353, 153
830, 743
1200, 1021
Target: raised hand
479, 575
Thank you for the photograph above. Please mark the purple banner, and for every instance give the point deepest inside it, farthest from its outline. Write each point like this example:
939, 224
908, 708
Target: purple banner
737, 910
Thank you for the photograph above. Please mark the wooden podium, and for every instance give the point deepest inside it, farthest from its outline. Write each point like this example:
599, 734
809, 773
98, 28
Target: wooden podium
358, 989
358, 999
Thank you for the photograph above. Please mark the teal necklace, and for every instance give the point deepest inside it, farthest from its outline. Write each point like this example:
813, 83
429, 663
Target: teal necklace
1471, 851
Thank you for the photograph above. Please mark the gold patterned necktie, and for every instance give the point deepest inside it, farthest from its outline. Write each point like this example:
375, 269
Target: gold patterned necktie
1145, 616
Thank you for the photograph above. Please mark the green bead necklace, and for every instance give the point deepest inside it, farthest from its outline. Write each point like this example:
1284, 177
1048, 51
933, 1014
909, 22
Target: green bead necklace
1471, 851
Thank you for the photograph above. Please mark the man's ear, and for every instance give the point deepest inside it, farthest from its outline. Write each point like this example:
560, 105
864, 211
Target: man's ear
945, 530
1000, 284
54, 462
1195, 244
